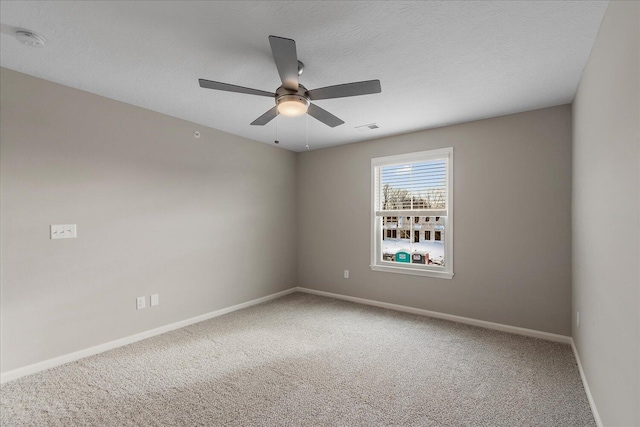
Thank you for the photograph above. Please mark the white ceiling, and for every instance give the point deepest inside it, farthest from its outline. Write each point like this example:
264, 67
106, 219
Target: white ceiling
438, 62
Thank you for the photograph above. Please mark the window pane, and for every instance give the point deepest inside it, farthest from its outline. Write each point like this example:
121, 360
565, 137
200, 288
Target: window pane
416, 240
413, 186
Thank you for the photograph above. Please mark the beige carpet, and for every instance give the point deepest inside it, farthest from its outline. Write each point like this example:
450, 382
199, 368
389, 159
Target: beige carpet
309, 360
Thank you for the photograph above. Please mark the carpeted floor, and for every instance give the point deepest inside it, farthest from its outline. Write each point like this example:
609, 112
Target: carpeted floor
309, 360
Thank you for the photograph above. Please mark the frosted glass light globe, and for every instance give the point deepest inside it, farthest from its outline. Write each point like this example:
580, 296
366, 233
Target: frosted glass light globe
292, 105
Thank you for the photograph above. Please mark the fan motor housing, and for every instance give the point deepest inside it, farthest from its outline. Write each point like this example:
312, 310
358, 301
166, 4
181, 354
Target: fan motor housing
294, 98
283, 91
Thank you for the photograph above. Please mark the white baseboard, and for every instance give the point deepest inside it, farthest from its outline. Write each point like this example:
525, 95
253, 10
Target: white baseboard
592, 403
71, 357
466, 320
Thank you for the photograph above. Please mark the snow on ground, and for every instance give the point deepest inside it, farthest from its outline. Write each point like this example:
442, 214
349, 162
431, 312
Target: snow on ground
435, 249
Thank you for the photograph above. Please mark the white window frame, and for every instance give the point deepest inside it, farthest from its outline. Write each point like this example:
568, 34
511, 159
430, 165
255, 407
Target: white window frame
377, 264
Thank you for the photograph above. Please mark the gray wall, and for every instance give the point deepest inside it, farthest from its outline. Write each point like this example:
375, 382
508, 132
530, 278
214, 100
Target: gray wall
206, 223
606, 217
512, 245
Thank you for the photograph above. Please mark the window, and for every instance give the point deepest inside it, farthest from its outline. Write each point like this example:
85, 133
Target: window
413, 185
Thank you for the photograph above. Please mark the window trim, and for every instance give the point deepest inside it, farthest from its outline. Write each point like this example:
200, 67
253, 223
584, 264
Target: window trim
377, 264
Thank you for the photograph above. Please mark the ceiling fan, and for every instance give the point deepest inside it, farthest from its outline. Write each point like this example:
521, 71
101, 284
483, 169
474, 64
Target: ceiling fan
293, 99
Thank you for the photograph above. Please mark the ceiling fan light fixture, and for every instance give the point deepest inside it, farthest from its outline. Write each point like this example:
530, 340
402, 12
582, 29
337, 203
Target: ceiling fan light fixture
292, 105
292, 98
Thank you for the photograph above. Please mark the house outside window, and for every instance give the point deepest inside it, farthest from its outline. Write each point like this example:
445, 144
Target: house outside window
419, 186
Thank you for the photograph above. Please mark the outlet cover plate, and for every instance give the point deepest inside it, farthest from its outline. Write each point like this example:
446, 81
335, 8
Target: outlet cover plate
63, 231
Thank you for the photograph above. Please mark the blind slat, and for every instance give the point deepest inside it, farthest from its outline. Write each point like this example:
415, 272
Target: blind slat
408, 212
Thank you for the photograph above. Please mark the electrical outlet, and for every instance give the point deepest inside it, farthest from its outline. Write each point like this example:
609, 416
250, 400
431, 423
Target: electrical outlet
155, 300
578, 319
141, 302
346, 274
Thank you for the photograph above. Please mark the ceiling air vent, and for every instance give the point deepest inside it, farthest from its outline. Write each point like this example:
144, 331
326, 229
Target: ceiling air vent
370, 126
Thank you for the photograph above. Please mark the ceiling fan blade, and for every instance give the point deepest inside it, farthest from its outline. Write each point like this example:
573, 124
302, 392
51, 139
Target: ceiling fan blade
208, 84
347, 89
266, 117
324, 116
286, 58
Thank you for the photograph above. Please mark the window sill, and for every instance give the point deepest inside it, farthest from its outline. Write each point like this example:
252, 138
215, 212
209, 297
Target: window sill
413, 271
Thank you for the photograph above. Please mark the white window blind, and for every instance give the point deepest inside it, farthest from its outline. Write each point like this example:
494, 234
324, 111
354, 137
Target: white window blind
413, 186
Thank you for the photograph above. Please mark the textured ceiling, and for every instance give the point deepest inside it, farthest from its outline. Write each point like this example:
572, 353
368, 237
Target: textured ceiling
438, 62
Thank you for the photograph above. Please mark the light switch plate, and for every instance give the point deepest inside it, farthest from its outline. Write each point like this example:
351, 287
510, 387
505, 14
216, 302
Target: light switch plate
155, 300
63, 231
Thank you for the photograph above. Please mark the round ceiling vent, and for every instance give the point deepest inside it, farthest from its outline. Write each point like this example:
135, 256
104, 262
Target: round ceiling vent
30, 39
